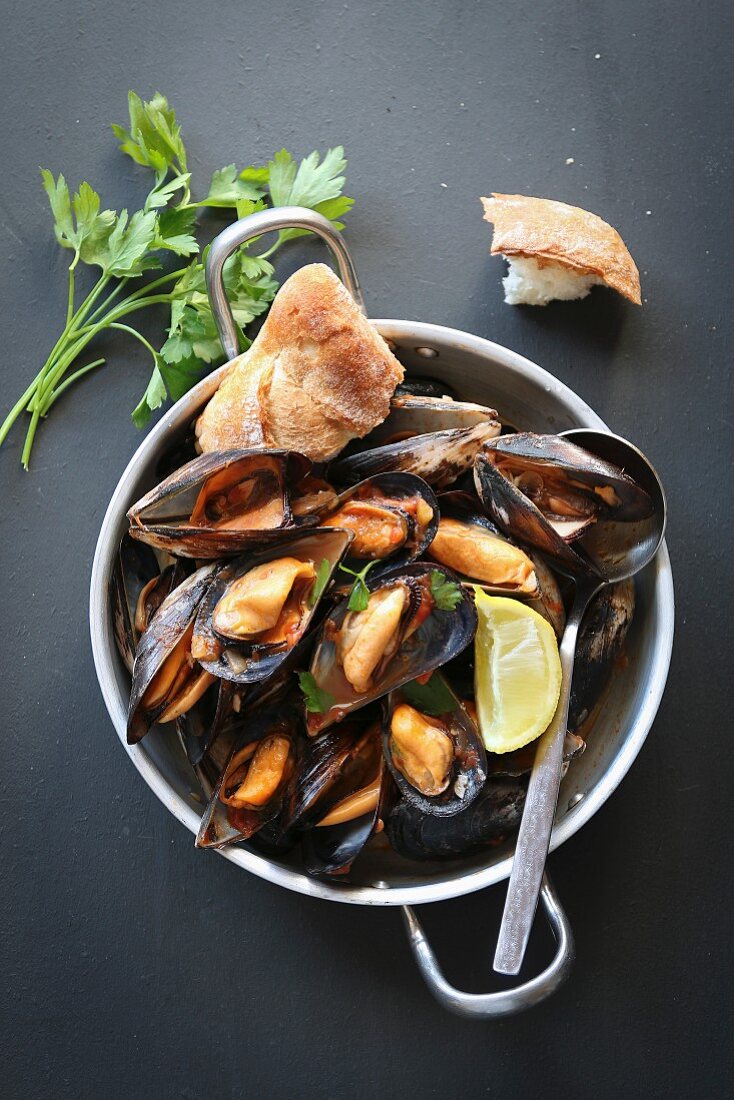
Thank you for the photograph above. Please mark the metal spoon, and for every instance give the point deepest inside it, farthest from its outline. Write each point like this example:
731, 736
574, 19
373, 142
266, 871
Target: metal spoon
619, 550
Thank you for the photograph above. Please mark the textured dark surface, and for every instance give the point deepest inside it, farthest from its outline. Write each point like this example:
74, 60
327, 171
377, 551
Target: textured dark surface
134, 966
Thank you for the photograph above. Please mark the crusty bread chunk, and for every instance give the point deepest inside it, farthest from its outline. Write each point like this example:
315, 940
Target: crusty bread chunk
317, 375
557, 251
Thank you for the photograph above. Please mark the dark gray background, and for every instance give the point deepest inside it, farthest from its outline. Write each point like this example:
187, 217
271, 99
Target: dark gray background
133, 965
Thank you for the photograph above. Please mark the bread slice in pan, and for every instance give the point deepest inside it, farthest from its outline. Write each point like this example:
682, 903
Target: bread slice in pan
557, 251
317, 375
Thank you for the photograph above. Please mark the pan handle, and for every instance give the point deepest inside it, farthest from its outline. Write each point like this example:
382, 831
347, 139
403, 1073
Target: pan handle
254, 225
488, 1006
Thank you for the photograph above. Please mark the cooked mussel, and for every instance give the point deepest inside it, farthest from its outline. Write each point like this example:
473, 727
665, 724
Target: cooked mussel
167, 679
256, 780
342, 796
493, 815
438, 457
601, 638
470, 544
219, 504
218, 710
136, 572
393, 517
419, 414
259, 606
433, 747
546, 491
415, 618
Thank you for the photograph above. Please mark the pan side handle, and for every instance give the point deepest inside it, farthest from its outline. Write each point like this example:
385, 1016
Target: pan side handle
254, 225
488, 1006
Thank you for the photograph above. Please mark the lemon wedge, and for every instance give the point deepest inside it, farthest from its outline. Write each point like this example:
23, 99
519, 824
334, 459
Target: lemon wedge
517, 677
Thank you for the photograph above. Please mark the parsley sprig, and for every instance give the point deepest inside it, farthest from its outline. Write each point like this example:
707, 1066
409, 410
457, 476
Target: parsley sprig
125, 247
359, 595
446, 593
316, 699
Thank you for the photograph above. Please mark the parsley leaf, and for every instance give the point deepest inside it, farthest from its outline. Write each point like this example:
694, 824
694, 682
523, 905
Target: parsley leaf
228, 188
446, 594
322, 579
359, 595
432, 697
154, 138
317, 700
175, 231
78, 223
310, 183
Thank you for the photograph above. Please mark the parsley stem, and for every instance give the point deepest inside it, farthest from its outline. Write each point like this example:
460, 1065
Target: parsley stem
70, 381
70, 303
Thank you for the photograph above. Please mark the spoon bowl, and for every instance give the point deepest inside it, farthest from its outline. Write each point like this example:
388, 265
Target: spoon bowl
619, 550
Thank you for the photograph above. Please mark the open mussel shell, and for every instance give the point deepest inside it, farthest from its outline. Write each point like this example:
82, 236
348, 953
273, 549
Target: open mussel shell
341, 798
424, 639
549, 600
433, 748
493, 815
179, 680
439, 457
220, 503
393, 517
256, 658
420, 414
577, 470
521, 519
256, 781
601, 638
473, 547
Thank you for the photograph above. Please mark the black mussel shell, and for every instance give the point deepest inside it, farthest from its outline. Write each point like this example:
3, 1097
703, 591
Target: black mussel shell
248, 662
440, 636
162, 518
412, 415
414, 386
495, 814
329, 851
218, 709
520, 762
222, 824
439, 457
601, 637
135, 567
468, 769
166, 629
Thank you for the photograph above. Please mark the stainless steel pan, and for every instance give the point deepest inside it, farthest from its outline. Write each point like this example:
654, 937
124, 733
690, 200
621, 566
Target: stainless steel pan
526, 396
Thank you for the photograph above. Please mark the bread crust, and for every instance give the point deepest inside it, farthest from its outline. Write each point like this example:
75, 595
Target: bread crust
317, 375
554, 232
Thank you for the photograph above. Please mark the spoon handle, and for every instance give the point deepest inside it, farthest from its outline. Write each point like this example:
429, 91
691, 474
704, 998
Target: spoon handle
533, 839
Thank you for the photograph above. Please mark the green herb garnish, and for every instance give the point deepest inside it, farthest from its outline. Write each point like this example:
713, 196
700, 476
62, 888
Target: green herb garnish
317, 700
125, 247
432, 697
359, 595
446, 594
322, 579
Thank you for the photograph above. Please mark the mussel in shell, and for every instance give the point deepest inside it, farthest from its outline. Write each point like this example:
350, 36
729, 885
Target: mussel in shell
433, 748
546, 491
219, 504
167, 679
255, 783
415, 619
601, 638
259, 606
342, 795
470, 545
136, 573
438, 457
493, 815
393, 518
